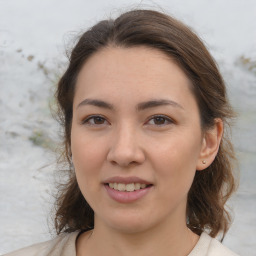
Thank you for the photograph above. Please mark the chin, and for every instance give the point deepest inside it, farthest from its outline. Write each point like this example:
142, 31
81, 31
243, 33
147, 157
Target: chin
129, 223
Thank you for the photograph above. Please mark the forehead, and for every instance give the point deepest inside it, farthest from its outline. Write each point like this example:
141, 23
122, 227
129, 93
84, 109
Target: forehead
134, 73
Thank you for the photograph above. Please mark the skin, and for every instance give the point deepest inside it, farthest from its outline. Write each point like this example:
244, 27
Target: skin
125, 141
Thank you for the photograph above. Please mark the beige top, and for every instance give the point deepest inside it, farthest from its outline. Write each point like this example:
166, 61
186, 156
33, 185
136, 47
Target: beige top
65, 245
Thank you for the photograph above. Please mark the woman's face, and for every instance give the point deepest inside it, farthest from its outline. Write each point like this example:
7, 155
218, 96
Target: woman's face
135, 123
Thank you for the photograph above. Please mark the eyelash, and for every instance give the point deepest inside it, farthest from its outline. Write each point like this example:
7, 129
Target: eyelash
167, 119
93, 117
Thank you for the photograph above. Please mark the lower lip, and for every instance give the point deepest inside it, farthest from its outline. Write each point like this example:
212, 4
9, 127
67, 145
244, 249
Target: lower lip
127, 197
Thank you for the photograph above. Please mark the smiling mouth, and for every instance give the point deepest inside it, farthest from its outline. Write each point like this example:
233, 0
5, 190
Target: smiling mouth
128, 187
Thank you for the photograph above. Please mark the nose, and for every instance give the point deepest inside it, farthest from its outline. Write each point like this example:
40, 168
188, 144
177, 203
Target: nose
125, 149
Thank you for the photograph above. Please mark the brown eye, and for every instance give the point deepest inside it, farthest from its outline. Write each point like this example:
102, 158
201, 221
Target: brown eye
94, 120
160, 120
98, 120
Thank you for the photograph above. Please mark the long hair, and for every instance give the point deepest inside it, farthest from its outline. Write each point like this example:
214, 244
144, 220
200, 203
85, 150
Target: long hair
212, 187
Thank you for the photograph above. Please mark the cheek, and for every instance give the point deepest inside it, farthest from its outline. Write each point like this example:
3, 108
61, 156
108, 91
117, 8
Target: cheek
175, 161
86, 149
88, 158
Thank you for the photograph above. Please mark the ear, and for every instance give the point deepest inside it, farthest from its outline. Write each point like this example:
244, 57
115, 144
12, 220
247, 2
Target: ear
210, 145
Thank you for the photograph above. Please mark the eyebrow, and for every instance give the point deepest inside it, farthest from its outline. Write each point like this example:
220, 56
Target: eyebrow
97, 103
157, 103
141, 106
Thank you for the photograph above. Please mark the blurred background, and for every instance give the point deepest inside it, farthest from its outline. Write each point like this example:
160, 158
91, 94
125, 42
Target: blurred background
34, 36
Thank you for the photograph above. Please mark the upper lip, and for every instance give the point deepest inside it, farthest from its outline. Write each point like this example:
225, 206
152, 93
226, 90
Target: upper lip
126, 180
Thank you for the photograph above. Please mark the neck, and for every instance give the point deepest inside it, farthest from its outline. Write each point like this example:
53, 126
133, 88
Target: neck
164, 239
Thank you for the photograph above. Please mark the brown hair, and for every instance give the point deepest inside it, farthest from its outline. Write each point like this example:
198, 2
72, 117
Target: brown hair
212, 187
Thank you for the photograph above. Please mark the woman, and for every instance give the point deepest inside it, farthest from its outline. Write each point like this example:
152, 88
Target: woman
144, 110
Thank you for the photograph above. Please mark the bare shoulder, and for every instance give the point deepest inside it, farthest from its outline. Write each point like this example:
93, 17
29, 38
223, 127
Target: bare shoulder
63, 245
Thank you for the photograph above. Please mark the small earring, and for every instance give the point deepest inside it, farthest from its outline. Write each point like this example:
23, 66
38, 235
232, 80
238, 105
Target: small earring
204, 162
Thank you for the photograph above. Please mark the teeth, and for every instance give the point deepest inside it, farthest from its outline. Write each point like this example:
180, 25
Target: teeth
130, 187
143, 185
121, 187
127, 187
137, 186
